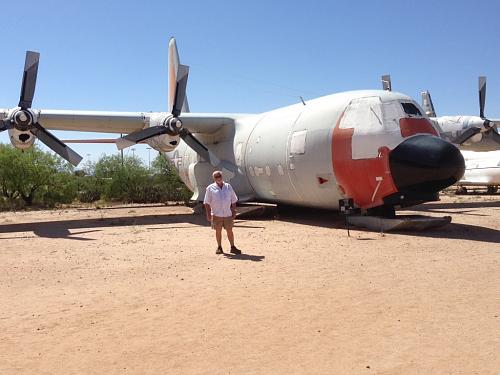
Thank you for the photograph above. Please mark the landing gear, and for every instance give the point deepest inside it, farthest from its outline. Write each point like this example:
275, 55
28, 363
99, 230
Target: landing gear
461, 190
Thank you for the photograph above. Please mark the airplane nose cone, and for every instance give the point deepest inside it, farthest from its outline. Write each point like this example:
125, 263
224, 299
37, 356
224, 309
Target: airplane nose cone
425, 164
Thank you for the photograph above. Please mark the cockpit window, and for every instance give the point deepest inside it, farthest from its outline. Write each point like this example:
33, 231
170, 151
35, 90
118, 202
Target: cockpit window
411, 109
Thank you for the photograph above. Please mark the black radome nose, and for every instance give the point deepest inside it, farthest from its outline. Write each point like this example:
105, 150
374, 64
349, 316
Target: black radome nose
425, 164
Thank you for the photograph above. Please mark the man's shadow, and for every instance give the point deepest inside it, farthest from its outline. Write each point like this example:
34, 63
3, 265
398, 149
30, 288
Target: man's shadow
253, 258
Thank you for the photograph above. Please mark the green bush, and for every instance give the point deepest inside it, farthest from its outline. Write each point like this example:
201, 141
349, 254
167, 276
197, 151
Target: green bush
36, 177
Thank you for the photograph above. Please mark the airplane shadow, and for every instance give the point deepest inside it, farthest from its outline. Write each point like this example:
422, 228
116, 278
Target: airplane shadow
460, 232
253, 258
61, 228
312, 217
454, 206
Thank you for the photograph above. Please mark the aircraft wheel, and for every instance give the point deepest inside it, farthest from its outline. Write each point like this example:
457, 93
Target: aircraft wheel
461, 190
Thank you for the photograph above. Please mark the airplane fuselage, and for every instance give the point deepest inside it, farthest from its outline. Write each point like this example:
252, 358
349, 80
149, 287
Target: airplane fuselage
338, 146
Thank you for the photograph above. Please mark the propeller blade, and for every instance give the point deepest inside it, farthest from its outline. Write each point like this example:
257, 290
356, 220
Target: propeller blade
52, 142
466, 135
141, 135
29, 79
386, 82
482, 95
5, 124
199, 147
173, 66
180, 89
495, 135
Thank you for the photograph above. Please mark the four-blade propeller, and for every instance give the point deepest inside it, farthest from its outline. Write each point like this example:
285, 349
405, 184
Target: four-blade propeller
172, 125
23, 119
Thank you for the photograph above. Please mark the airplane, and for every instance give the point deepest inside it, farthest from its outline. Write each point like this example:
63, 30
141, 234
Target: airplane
472, 133
375, 147
482, 169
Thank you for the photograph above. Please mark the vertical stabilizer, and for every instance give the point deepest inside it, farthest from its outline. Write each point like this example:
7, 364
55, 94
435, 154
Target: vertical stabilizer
427, 105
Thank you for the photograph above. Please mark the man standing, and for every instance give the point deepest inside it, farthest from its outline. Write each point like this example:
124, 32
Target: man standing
220, 205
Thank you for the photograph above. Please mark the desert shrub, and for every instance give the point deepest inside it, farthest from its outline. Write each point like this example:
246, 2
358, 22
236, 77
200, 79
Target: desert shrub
34, 177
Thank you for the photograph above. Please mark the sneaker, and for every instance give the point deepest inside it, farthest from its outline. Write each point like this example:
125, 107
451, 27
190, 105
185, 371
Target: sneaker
235, 250
219, 250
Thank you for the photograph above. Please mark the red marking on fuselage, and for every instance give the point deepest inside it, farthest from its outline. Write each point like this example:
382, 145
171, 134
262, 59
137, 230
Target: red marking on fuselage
412, 126
321, 180
366, 181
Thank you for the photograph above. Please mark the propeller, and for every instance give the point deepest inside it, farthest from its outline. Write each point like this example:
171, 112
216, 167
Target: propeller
23, 118
489, 126
177, 103
172, 125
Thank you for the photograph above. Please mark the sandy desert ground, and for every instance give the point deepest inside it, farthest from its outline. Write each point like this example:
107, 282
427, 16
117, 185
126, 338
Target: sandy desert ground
139, 290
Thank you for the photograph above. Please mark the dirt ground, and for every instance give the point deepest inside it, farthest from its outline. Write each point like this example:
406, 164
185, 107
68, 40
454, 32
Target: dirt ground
139, 289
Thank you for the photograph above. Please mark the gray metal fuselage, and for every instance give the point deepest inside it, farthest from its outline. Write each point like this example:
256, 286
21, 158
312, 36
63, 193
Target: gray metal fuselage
266, 158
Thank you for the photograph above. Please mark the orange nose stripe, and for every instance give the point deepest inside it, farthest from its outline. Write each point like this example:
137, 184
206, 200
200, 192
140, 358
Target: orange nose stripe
412, 126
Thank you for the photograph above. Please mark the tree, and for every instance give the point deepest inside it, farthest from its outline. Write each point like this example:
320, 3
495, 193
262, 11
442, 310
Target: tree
26, 174
125, 182
168, 180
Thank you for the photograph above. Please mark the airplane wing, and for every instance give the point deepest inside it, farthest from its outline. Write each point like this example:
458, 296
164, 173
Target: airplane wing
162, 129
125, 122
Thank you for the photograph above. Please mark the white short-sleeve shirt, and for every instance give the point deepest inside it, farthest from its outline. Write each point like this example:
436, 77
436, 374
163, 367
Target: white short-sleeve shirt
220, 199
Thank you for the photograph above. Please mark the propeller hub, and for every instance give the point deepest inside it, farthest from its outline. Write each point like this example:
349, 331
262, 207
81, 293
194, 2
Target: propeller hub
23, 120
174, 125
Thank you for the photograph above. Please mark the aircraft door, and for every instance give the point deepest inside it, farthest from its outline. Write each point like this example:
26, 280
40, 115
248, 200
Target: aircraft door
266, 153
309, 163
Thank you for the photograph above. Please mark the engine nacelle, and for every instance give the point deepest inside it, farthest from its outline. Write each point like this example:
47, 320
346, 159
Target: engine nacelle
21, 139
164, 142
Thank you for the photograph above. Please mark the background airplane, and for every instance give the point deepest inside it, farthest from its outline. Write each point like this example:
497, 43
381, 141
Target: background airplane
375, 147
474, 133
482, 169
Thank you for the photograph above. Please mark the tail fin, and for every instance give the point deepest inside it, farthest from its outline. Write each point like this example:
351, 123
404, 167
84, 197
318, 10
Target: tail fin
427, 105
173, 64
386, 82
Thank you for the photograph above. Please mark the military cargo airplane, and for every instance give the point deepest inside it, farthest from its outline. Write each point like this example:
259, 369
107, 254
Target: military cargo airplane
376, 147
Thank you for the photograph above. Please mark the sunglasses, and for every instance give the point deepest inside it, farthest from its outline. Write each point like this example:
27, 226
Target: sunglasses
217, 177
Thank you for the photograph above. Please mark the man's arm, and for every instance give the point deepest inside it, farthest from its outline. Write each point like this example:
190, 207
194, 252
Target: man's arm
234, 199
208, 211
233, 209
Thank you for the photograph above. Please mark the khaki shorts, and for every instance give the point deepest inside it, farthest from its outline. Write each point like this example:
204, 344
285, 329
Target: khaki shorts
220, 222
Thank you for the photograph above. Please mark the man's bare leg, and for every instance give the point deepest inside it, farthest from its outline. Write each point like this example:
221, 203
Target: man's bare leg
230, 236
218, 236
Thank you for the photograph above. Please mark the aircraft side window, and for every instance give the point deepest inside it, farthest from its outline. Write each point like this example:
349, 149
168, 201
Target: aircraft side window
298, 143
392, 113
363, 114
411, 109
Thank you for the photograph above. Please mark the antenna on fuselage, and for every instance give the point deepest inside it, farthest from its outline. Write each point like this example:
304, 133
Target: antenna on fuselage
302, 100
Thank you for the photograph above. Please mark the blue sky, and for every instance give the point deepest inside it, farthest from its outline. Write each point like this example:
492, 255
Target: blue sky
250, 56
